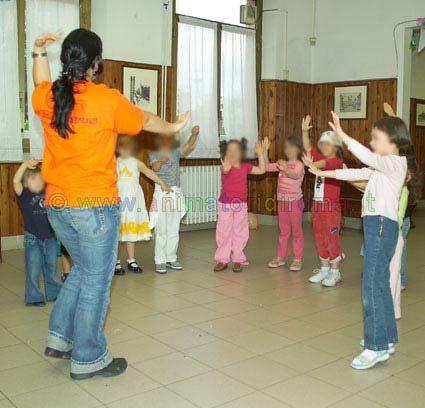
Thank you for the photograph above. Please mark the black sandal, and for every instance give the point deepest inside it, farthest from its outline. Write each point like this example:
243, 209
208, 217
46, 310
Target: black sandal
63, 355
133, 267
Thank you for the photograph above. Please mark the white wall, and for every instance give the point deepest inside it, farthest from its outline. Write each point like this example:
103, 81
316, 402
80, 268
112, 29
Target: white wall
134, 30
285, 39
355, 38
417, 89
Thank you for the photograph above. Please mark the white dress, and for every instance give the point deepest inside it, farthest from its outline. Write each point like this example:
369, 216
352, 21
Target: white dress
134, 216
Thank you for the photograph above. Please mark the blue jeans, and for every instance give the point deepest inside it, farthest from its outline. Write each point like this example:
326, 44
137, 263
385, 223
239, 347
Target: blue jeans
380, 327
405, 231
76, 323
40, 258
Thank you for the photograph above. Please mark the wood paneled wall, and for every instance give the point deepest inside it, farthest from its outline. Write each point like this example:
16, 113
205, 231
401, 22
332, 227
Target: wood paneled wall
283, 104
10, 213
418, 137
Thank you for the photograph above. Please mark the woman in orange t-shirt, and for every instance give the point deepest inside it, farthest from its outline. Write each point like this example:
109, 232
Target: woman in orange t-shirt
81, 121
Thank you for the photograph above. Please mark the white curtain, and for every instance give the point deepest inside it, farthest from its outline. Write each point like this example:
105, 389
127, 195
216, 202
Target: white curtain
238, 85
197, 82
10, 127
46, 16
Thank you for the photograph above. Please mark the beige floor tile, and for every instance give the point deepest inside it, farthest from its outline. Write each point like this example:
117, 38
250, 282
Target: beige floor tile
172, 368
166, 303
108, 390
218, 353
201, 297
32, 331
255, 400
396, 393
210, 389
155, 324
124, 313
17, 356
338, 374
4, 403
330, 321
139, 349
117, 332
262, 317
297, 330
230, 306
7, 339
336, 344
356, 402
184, 337
28, 378
293, 308
24, 315
301, 357
415, 374
226, 327
304, 391
158, 398
259, 372
179, 287
260, 341
67, 395
196, 314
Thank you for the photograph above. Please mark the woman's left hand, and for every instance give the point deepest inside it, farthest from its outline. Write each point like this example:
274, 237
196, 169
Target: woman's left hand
47, 39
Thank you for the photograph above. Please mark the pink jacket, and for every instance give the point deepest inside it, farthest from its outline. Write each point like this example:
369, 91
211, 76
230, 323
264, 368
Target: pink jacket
289, 184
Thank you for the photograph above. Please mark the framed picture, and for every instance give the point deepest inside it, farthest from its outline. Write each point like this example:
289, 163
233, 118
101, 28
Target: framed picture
420, 114
350, 102
142, 86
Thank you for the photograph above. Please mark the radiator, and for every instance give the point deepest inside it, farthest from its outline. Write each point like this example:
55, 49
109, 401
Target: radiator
201, 186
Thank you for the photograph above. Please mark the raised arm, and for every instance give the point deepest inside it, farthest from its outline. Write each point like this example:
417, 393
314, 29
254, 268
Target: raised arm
305, 127
188, 146
17, 178
261, 148
41, 68
154, 124
150, 174
385, 164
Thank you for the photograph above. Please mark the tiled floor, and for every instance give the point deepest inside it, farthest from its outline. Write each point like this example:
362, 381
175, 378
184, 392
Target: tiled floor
262, 338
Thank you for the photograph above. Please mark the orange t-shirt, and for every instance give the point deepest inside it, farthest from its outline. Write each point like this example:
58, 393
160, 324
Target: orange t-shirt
80, 171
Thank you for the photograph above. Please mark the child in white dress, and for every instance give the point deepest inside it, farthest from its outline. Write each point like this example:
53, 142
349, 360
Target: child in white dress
134, 215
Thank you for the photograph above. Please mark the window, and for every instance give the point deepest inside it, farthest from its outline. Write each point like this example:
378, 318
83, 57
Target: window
216, 78
223, 11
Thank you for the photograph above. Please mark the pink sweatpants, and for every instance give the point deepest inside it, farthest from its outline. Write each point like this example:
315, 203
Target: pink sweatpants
232, 232
395, 276
290, 215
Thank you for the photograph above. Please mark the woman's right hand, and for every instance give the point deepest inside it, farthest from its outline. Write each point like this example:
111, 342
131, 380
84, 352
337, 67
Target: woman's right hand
47, 39
181, 122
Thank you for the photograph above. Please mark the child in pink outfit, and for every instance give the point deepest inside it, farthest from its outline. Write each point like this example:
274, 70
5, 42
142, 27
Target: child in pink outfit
232, 232
290, 204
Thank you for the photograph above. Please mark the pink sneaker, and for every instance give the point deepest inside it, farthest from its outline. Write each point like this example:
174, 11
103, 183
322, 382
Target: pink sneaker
276, 262
296, 265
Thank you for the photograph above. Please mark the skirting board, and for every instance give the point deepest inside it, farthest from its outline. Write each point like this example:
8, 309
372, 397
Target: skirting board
13, 242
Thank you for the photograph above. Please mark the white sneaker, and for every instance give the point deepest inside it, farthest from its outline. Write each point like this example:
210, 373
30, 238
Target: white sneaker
369, 358
391, 347
318, 276
333, 278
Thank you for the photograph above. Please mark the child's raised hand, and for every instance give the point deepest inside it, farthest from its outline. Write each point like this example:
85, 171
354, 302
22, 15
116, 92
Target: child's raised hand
181, 122
308, 160
31, 163
266, 144
259, 148
226, 164
336, 124
306, 124
314, 170
195, 131
388, 109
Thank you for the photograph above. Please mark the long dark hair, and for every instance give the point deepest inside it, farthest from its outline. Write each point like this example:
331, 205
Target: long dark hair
398, 134
243, 145
81, 50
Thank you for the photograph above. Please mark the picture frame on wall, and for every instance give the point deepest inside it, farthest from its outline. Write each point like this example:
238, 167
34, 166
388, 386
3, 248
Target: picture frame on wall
420, 114
350, 102
142, 86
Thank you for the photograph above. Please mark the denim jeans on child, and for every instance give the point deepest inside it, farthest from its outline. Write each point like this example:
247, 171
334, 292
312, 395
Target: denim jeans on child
76, 323
40, 258
380, 328
405, 231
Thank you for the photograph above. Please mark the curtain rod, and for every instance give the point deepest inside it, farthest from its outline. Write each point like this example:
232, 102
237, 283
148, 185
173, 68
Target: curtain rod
215, 22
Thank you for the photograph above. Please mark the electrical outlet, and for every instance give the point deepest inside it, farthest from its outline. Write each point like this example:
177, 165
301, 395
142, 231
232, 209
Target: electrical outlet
286, 74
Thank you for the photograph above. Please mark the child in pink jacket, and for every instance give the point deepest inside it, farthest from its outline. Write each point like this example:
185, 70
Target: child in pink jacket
290, 204
232, 232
